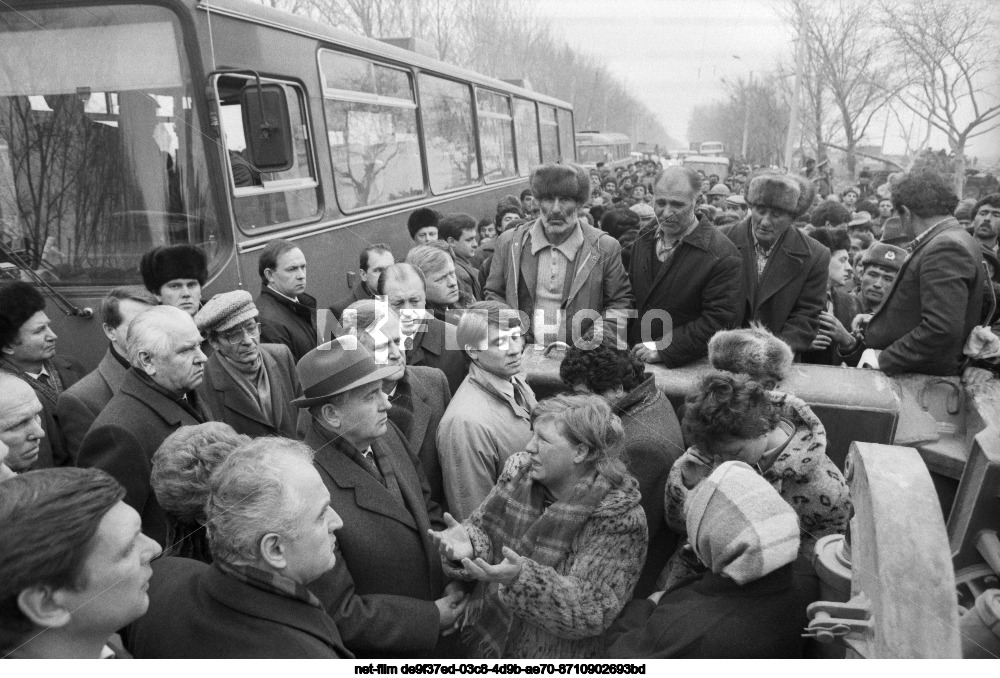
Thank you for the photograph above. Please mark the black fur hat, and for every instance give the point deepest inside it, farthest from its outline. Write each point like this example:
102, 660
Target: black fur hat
160, 265
421, 218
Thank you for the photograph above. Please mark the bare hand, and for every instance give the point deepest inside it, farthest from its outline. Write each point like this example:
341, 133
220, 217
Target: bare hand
976, 376
646, 354
504, 573
450, 609
820, 343
830, 325
982, 344
453, 542
860, 322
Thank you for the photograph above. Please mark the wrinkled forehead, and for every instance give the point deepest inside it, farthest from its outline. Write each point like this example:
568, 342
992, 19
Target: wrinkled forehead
17, 400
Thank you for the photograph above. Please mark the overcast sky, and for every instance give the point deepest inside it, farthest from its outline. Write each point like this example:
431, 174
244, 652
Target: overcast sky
674, 53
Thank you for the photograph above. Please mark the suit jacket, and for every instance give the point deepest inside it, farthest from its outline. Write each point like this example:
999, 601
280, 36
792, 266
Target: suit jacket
124, 438
598, 279
79, 405
52, 449
358, 293
388, 574
283, 321
932, 306
699, 286
438, 347
196, 611
231, 404
791, 293
431, 395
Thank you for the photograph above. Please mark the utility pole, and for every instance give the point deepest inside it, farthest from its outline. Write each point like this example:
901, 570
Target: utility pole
746, 117
793, 118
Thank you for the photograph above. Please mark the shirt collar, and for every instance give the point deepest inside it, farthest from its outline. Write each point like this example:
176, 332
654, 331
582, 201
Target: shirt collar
568, 247
36, 376
490, 381
271, 287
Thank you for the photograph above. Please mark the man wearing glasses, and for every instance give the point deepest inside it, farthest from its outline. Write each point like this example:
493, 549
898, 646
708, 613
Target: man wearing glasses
248, 385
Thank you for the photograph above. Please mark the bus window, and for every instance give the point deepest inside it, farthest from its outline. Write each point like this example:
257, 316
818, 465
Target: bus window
526, 136
446, 110
567, 145
371, 121
496, 135
101, 152
263, 199
550, 133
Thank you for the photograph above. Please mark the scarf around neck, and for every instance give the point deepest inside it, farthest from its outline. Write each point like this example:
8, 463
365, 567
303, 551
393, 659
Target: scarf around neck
50, 391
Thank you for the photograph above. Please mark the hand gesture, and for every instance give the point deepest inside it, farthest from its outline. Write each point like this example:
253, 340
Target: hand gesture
860, 322
451, 608
453, 542
647, 353
982, 344
504, 573
821, 342
831, 326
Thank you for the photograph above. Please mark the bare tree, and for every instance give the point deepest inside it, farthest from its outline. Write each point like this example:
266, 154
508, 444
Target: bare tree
949, 52
850, 59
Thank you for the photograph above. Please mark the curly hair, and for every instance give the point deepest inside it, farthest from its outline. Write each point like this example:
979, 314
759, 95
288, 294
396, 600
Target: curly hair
182, 467
18, 302
834, 239
993, 200
588, 420
925, 193
727, 406
602, 368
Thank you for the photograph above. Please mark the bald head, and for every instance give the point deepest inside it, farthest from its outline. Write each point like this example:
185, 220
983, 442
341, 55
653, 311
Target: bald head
676, 174
403, 285
674, 198
20, 422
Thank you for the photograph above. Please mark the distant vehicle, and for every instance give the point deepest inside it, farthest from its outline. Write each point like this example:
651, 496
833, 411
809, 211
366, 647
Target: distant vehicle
709, 164
611, 148
711, 148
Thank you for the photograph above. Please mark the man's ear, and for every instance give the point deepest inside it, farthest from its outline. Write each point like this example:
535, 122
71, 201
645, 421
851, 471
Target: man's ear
472, 351
146, 363
44, 607
330, 416
272, 551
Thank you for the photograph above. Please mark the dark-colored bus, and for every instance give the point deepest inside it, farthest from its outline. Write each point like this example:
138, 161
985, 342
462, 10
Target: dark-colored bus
127, 125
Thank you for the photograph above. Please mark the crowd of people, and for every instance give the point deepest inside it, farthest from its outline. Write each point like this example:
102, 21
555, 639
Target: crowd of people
227, 483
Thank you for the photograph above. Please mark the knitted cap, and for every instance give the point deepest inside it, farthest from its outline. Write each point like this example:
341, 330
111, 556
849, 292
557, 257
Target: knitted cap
884, 254
739, 525
226, 311
160, 265
779, 191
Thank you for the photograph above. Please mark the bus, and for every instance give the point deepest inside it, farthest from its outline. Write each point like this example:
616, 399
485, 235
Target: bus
611, 148
226, 124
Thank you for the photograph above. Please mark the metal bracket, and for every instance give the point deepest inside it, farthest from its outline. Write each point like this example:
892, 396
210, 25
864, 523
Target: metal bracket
828, 621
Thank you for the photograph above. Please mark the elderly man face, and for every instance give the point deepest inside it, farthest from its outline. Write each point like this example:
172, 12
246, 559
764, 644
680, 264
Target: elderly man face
182, 293
309, 550
769, 223
987, 222
406, 296
359, 416
559, 217
35, 342
240, 344
386, 343
673, 201
442, 285
20, 422
178, 364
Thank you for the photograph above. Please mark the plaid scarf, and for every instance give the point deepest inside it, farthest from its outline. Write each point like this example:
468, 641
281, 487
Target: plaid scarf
270, 582
49, 391
518, 514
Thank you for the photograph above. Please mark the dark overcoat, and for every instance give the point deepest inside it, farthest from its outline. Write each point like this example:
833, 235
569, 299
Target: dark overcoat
79, 405
699, 286
283, 321
431, 395
932, 306
790, 294
52, 449
198, 612
124, 438
232, 405
388, 574
437, 347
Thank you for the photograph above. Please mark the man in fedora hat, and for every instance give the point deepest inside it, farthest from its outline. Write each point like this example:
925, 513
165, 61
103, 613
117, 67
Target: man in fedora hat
248, 385
387, 591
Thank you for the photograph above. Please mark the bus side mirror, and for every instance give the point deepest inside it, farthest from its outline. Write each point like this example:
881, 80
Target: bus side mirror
267, 127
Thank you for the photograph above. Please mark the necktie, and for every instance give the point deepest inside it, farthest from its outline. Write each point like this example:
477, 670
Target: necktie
368, 461
44, 379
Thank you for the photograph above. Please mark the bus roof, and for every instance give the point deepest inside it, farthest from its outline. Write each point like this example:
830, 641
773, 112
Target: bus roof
278, 19
601, 138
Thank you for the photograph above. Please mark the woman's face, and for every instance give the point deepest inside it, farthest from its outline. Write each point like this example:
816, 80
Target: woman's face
553, 457
747, 450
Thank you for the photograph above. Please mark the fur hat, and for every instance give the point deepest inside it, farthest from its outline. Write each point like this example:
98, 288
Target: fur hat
561, 181
780, 191
807, 192
160, 265
421, 218
884, 254
753, 351
739, 526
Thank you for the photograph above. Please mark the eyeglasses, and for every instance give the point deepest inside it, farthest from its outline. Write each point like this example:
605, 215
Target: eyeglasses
235, 336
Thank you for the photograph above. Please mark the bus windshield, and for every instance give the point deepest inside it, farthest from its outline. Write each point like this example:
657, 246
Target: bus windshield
101, 155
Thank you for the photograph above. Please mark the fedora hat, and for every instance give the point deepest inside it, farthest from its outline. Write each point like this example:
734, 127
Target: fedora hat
337, 367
